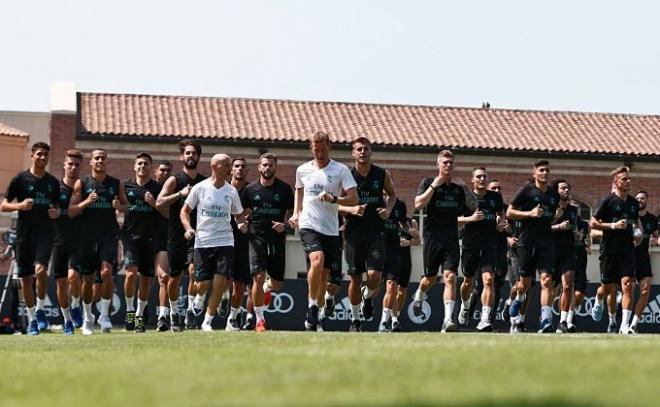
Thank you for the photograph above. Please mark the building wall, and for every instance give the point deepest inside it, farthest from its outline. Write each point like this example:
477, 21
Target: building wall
590, 178
36, 124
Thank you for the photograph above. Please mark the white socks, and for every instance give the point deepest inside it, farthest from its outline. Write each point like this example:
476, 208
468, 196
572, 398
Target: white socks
419, 295
130, 304
355, 312
625, 318
386, 316
163, 312
233, 313
259, 312
449, 309
635, 320
104, 307
31, 313
75, 302
546, 313
87, 312
191, 301
141, 306
41, 303
66, 314
563, 316
485, 313
569, 318
174, 306
312, 302
612, 318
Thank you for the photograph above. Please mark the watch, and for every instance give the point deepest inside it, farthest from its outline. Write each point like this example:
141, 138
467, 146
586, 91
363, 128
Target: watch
334, 199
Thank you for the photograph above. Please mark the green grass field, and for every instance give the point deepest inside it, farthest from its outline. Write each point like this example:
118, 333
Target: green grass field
287, 368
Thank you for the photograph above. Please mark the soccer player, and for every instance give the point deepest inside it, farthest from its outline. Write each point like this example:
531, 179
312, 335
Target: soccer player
36, 193
582, 251
617, 215
643, 271
319, 185
444, 201
240, 274
365, 236
216, 201
138, 239
161, 174
179, 249
64, 256
563, 232
96, 198
479, 248
268, 201
409, 236
536, 205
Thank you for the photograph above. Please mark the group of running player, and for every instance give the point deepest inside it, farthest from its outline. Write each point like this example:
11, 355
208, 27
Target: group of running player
229, 235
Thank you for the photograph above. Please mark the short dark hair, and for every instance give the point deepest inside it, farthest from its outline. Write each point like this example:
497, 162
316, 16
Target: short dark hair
190, 142
541, 163
268, 156
642, 192
238, 159
475, 169
144, 154
73, 154
165, 162
494, 180
555, 184
619, 170
40, 145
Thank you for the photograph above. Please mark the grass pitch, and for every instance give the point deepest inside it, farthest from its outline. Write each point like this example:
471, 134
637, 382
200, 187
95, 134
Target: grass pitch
295, 368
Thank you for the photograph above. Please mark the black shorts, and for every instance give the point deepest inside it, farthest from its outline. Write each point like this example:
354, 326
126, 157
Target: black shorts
580, 278
241, 270
95, 250
268, 257
97, 273
160, 244
30, 253
336, 274
474, 262
363, 255
501, 266
392, 267
643, 266
140, 253
534, 257
179, 256
314, 241
445, 254
63, 258
405, 268
210, 261
613, 267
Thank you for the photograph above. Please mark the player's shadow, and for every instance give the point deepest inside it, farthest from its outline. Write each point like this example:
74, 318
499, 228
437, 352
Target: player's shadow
545, 402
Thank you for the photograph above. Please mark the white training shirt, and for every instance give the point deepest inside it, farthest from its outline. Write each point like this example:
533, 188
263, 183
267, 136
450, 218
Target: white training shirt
322, 217
214, 209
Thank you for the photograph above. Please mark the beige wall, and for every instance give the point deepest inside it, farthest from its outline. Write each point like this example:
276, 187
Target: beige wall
11, 158
36, 124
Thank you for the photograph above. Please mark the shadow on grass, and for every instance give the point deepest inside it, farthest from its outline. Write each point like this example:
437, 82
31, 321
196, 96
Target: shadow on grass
546, 402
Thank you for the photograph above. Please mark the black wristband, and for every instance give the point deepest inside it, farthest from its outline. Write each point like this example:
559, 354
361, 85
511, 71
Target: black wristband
334, 199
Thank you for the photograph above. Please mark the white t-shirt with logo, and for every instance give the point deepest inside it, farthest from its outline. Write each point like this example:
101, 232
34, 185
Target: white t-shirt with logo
214, 209
333, 178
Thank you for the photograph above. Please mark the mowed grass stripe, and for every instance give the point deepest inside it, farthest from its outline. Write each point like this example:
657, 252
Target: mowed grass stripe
294, 368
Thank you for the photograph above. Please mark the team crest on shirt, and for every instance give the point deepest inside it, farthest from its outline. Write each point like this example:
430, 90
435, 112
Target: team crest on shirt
30, 187
131, 193
276, 197
111, 190
329, 177
257, 197
227, 199
552, 201
50, 188
376, 184
90, 190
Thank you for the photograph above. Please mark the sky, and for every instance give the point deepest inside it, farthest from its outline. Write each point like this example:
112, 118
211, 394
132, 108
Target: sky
586, 55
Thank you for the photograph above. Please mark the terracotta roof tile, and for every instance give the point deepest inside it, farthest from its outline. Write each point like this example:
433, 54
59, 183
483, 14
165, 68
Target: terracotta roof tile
10, 131
397, 125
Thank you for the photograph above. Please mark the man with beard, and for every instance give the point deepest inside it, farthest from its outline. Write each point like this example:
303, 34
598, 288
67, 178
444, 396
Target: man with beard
563, 231
97, 197
240, 273
138, 239
216, 202
617, 215
319, 186
179, 249
479, 248
65, 259
643, 271
161, 174
536, 205
365, 237
269, 201
36, 193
